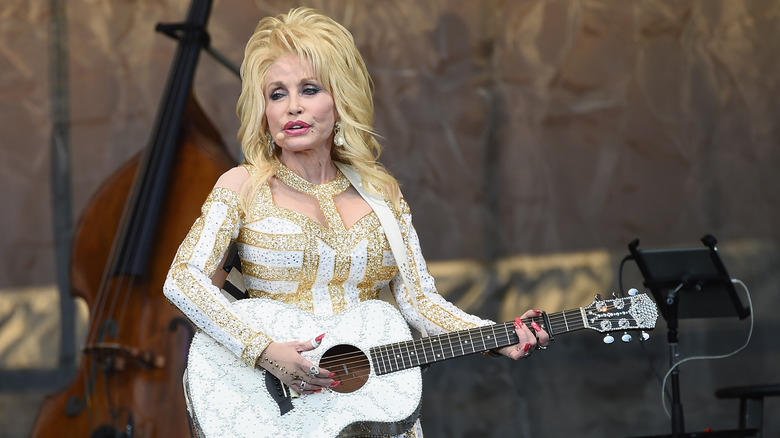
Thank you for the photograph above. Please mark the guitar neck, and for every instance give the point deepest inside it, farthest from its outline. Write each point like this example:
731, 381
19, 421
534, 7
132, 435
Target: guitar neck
395, 357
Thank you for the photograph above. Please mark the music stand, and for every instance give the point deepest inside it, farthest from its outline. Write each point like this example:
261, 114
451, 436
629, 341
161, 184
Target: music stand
687, 283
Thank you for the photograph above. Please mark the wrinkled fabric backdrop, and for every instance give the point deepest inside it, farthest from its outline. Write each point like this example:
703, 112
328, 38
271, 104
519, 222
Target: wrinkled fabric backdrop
533, 139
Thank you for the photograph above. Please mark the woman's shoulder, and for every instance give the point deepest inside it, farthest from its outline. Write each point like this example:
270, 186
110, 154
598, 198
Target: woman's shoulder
234, 179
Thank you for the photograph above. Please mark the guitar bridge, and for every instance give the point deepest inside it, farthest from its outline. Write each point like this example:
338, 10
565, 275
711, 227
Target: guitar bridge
279, 392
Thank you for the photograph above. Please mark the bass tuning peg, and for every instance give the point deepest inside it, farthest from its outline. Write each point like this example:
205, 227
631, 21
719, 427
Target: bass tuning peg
645, 335
608, 339
626, 337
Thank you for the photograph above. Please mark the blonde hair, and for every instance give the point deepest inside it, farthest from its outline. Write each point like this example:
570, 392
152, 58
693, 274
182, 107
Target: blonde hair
330, 50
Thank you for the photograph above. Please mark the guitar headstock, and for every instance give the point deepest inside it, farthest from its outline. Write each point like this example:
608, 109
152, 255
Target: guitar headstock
634, 312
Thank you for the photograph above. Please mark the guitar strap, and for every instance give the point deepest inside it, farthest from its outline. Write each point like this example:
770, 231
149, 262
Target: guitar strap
392, 231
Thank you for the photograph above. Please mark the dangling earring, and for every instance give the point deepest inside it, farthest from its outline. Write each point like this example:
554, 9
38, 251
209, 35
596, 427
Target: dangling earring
270, 144
338, 136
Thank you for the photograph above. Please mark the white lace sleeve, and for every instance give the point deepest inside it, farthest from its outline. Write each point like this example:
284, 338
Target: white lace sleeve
439, 315
188, 284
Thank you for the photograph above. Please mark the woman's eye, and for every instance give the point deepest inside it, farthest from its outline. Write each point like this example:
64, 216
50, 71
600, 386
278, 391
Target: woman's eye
276, 95
310, 89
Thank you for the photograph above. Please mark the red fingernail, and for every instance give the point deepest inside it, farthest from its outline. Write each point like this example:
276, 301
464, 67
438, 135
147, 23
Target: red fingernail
317, 390
526, 347
319, 338
536, 326
537, 311
332, 375
335, 384
518, 323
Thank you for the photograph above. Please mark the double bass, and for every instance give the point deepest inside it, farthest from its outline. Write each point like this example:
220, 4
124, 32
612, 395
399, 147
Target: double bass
129, 380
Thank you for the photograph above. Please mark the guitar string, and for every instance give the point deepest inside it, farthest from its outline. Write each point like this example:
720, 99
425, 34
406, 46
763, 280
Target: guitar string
389, 353
388, 359
555, 321
449, 337
362, 368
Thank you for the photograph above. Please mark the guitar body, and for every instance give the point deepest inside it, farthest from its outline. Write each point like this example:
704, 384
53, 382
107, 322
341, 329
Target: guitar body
230, 399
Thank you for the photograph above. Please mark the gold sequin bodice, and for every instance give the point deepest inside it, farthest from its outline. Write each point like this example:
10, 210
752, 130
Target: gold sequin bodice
290, 257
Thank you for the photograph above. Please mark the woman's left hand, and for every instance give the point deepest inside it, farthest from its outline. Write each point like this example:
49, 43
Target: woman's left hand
531, 336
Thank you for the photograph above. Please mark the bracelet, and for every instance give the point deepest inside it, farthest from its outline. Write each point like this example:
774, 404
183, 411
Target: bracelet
276, 365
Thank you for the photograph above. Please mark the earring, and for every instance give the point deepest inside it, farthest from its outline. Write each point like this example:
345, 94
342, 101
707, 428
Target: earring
270, 144
338, 136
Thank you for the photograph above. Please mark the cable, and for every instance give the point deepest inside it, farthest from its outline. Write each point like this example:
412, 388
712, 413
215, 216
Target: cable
641, 344
747, 341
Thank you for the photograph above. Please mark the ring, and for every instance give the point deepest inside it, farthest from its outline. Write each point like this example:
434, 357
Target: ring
303, 385
539, 347
313, 371
527, 353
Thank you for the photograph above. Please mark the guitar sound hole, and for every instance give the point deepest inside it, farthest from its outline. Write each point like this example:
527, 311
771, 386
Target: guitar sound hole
350, 365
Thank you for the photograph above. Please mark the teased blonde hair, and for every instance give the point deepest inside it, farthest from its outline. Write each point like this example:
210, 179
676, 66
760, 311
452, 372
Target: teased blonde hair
330, 49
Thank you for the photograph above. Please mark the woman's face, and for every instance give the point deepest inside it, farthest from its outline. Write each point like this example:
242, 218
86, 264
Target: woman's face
300, 113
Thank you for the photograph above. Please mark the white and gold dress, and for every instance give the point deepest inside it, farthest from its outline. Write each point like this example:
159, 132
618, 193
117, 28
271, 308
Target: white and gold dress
287, 256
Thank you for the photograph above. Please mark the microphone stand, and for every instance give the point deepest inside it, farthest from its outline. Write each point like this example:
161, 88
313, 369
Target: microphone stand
678, 421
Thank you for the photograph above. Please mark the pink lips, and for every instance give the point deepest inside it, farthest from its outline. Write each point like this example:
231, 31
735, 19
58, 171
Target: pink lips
296, 128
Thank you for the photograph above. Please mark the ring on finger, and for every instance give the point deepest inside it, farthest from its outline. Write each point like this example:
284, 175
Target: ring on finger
313, 371
303, 385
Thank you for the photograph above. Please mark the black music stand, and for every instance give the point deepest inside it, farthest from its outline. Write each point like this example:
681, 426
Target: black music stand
687, 283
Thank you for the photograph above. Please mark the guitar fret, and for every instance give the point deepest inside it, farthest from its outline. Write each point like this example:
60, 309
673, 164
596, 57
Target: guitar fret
471, 340
408, 354
385, 360
452, 347
506, 329
469, 343
422, 347
376, 357
389, 357
495, 341
394, 358
403, 355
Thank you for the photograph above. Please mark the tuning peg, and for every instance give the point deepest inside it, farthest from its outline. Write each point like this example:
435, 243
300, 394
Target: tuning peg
633, 292
609, 339
598, 297
645, 335
626, 337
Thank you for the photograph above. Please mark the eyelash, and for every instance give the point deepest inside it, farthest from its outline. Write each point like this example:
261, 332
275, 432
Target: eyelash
308, 90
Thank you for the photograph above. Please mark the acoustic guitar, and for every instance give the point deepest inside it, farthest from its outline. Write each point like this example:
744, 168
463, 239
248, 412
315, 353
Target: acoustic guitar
371, 350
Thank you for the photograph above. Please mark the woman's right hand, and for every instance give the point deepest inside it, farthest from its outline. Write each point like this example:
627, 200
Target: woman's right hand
284, 361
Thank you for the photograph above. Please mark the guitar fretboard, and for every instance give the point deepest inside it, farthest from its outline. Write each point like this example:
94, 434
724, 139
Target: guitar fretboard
402, 355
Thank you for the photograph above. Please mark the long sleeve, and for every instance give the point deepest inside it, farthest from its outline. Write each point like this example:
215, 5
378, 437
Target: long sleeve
188, 284
439, 315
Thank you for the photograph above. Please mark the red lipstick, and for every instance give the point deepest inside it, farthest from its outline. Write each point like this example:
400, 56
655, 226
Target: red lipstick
296, 128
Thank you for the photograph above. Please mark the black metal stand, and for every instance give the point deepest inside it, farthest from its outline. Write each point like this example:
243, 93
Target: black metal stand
678, 419
698, 275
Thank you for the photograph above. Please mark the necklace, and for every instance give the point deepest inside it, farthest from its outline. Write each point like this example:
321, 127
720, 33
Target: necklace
331, 188
324, 193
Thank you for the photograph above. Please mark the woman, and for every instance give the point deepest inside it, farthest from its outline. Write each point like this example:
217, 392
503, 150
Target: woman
304, 233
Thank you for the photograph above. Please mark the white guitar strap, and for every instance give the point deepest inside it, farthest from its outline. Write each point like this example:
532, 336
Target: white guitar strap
392, 231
